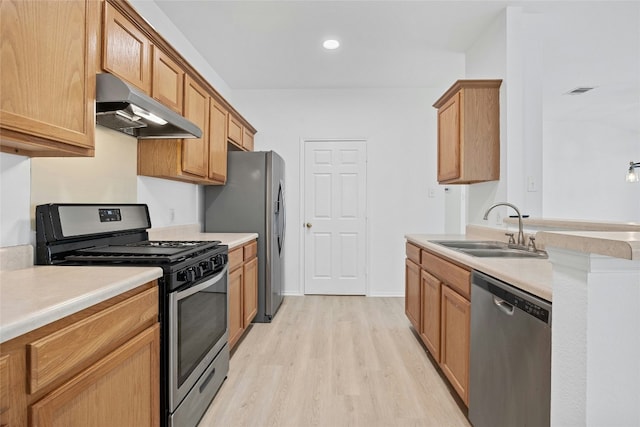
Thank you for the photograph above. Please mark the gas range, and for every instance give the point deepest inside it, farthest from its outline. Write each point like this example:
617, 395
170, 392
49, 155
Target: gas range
80, 234
194, 353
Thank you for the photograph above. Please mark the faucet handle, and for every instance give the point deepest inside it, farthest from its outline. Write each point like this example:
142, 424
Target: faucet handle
532, 244
512, 241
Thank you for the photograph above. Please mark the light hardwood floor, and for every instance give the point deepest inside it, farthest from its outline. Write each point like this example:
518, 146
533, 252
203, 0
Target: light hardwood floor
333, 361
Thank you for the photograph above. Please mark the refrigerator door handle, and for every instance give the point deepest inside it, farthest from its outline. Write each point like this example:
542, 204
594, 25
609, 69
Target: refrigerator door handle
282, 210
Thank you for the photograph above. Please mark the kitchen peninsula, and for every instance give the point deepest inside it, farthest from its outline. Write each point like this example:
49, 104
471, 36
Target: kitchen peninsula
593, 279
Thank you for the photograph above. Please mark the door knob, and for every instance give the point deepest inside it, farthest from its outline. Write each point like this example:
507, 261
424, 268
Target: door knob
309, 225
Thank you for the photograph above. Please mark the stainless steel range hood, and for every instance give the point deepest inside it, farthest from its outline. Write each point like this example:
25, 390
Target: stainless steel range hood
127, 109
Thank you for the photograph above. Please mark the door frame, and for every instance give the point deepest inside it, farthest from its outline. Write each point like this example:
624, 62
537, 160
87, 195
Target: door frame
301, 181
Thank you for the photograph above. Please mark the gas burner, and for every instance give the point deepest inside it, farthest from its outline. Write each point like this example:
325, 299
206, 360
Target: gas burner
172, 243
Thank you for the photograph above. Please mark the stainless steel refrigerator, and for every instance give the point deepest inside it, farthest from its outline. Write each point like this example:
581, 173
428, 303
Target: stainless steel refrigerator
253, 201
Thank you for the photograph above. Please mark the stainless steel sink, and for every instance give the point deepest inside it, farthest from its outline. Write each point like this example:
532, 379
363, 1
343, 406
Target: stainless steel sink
490, 249
471, 244
504, 253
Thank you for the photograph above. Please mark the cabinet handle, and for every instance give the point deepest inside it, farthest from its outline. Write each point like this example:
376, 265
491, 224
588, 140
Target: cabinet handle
308, 225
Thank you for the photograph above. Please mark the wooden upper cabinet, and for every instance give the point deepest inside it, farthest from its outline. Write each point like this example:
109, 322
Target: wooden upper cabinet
126, 50
195, 151
168, 81
247, 139
469, 132
217, 142
235, 130
48, 61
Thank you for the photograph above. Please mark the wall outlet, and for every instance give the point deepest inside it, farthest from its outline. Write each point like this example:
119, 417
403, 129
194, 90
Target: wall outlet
498, 218
532, 186
432, 192
172, 215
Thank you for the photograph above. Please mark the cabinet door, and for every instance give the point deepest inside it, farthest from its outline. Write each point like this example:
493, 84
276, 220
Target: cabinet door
195, 151
454, 335
4, 389
235, 130
217, 142
430, 319
168, 81
126, 51
235, 306
120, 390
412, 293
250, 292
247, 139
449, 139
48, 64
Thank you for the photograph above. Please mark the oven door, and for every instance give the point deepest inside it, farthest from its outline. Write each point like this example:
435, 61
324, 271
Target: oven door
197, 332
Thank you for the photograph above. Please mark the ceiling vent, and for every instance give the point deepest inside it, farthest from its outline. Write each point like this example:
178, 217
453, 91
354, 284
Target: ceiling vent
579, 90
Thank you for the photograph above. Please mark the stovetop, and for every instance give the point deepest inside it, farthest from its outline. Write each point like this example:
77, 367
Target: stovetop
159, 252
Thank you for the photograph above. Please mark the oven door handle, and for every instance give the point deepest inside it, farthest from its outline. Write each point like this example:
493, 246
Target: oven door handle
204, 285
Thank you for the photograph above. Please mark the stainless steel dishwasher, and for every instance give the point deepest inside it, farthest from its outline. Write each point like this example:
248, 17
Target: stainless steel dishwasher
510, 366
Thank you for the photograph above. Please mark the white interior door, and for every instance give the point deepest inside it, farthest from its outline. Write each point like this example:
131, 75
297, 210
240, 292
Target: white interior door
335, 217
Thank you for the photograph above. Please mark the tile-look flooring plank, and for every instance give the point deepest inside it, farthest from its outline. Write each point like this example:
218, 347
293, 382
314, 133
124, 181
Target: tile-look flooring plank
333, 361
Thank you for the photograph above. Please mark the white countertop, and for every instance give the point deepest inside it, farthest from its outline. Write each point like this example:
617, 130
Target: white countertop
36, 296
616, 244
529, 274
31, 297
192, 232
534, 275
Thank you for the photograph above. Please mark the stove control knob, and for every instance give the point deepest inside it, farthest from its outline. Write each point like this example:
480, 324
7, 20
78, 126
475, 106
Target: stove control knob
206, 266
198, 271
187, 275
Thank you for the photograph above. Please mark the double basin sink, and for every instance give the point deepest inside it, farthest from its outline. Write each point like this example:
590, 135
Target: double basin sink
490, 249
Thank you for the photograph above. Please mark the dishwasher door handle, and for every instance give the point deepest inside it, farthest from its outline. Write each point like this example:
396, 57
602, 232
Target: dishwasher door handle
504, 306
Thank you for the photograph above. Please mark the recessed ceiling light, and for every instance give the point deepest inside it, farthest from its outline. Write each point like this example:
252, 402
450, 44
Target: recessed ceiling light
331, 44
580, 90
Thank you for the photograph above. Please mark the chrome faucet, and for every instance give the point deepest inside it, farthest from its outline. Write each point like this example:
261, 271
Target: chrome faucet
520, 232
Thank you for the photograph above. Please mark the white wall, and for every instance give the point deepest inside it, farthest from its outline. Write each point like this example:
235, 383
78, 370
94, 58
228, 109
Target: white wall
400, 129
486, 59
585, 164
171, 202
108, 177
510, 50
15, 199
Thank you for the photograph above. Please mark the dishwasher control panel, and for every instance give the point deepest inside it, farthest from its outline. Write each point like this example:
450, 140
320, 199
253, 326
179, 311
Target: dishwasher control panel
525, 305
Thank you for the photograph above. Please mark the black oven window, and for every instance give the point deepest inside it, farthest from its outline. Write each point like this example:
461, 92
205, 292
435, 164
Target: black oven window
202, 321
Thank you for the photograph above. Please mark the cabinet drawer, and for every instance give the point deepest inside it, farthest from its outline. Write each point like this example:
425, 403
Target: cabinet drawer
413, 253
73, 348
250, 250
456, 277
235, 258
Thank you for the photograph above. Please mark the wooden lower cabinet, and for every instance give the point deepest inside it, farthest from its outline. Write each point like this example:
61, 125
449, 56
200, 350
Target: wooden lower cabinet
243, 289
430, 319
412, 293
454, 334
437, 304
250, 291
236, 329
105, 369
127, 379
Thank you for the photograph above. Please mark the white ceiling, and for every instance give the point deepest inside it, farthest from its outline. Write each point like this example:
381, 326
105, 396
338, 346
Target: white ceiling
277, 45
